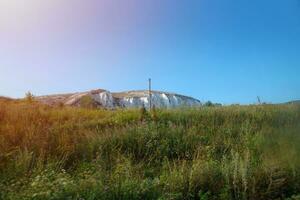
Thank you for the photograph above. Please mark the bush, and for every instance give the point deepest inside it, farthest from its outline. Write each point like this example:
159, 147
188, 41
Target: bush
88, 102
29, 97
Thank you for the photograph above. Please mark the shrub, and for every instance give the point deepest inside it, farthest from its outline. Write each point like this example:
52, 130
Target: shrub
87, 102
29, 97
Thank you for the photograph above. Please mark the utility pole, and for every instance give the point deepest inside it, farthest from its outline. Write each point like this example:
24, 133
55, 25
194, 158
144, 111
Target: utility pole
258, 99
150, 95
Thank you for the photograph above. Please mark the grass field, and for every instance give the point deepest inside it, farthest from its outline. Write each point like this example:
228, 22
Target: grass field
232, 152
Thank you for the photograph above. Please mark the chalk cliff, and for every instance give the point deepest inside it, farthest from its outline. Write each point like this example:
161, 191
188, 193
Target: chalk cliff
129, 99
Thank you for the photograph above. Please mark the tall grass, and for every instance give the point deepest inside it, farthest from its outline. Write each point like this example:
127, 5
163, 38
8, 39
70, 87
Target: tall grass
234, 152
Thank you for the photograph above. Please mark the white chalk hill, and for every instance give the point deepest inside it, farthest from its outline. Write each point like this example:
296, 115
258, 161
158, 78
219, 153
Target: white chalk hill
129, 99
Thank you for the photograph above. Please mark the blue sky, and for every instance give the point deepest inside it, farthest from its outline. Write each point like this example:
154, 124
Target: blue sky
227, 51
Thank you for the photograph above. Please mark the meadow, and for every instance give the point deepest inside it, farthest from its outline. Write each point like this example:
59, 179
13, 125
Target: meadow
228, 152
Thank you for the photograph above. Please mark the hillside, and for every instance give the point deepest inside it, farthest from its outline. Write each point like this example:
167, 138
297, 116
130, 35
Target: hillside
3, 98
294, 102
129, 99
230, 152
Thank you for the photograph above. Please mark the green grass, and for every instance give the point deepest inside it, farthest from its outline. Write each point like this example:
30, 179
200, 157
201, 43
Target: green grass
234, 152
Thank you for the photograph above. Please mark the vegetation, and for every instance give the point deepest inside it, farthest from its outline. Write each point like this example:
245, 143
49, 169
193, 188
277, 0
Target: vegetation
87, 102
29, 97
234, 152
211, 104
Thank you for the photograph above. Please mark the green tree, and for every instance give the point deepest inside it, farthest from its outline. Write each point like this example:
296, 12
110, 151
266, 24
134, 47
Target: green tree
209, 104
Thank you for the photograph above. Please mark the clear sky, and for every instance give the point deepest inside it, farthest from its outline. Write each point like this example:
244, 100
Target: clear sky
227, 51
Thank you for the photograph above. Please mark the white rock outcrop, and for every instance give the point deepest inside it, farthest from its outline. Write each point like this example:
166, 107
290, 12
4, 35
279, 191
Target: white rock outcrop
159, 99
104, 98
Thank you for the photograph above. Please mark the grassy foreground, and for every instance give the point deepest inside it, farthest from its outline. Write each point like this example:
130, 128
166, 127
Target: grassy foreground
235, 152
